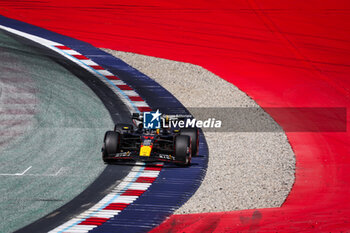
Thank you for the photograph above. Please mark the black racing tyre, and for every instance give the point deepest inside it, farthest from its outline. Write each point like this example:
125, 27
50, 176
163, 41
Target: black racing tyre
183, 149
104, 153
123, 127
110, 145
193, 133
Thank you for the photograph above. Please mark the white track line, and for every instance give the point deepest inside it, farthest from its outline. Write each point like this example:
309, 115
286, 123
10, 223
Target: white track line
16, 174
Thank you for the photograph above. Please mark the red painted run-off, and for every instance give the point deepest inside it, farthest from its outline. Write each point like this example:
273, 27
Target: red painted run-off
281, 53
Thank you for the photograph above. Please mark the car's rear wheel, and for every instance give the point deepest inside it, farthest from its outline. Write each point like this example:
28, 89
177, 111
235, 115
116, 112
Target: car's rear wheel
183, 150
193, 133
110, 145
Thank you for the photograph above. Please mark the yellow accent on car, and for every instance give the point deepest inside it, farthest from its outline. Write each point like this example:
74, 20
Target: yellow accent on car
125, 127
145, 151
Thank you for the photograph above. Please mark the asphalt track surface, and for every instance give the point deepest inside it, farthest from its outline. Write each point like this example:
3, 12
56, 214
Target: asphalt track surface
43, 167
282, 54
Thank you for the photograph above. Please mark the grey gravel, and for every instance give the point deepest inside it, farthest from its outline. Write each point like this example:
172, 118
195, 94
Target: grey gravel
246, 170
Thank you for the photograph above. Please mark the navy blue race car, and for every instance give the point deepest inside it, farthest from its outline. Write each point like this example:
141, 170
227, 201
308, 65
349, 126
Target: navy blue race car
134, 142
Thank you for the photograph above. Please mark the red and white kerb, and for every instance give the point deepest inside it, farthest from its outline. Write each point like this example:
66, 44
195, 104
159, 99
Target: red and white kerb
136, 101
132, 187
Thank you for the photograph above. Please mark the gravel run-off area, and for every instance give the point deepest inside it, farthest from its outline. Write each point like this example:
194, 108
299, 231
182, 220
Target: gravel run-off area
246, 170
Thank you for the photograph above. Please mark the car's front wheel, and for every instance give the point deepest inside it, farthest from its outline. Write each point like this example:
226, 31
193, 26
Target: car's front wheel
110, 145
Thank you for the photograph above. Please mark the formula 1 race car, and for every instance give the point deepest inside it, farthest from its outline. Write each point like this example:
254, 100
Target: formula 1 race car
150, 145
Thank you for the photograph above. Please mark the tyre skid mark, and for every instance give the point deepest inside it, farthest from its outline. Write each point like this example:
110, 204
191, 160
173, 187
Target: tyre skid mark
16, 113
